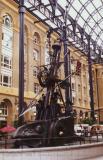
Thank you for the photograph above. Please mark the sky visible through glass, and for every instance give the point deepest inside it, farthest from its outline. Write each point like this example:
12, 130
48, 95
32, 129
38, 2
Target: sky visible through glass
87, 13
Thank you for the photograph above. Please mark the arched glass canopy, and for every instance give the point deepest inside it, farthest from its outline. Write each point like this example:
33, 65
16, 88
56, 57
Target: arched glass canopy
83, 18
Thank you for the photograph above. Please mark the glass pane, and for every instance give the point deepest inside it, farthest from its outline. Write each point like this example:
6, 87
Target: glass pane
72, 13
91, 23
85, 14
97, 17
90, 8
5, 79
88, 29
81, 22
77, 5
97, 3
6, 60
94, 36
83, 1
62, 3
97, 30
101, 24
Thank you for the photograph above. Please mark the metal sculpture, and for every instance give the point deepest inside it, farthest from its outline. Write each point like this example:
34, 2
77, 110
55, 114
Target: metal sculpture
51, 126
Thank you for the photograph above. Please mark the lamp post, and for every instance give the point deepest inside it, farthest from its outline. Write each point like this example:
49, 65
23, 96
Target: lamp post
21, 59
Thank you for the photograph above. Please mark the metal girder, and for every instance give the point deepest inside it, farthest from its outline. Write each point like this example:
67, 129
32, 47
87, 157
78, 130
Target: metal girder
49, 15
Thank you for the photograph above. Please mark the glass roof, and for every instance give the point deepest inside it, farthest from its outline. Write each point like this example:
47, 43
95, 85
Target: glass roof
89, 15
86, 14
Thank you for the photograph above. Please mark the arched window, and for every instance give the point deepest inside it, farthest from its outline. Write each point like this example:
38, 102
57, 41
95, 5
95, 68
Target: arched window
3, 109
36, 38
35, 72
7, 20
86, 115
6, 51
81, 114
35, 54
47, 55
7, 33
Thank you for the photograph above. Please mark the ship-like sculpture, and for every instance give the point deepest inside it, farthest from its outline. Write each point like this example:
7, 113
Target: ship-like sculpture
51, 127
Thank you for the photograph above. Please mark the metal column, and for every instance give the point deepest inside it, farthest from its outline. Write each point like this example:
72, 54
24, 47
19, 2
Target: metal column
67, 72
90, 82
97, 88
21, 59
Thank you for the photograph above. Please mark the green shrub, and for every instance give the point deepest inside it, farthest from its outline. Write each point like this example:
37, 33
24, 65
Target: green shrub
88, 121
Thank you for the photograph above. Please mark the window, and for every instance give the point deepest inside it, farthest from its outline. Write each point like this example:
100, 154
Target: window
36, 38
81, 114
3, 109
86, 115
73, 86
7, 21
6, 61
35, 54
73, 100
6, 51
36, 88
7, 32
5, 80
79, 88
35, 72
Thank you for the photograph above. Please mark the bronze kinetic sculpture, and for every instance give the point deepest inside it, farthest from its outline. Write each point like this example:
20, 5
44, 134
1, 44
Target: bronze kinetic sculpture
51, 127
